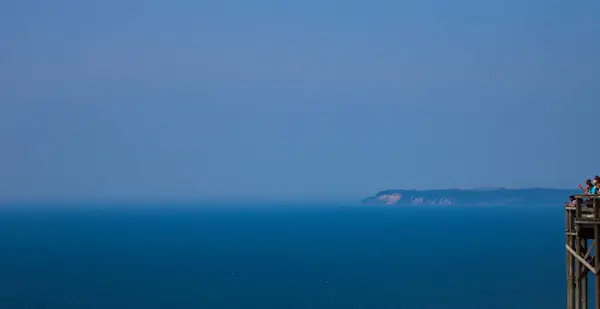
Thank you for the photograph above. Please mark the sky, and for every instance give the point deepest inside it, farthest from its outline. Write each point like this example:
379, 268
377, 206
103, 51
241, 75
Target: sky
294, 100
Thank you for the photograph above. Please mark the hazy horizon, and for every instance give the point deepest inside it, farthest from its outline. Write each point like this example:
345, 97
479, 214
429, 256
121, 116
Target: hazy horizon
221, 100
234, 201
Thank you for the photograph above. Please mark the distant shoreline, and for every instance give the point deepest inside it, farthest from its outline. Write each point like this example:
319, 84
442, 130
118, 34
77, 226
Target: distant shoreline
474, 197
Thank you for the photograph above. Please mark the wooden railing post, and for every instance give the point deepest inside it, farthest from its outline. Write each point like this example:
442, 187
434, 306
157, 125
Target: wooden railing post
596, 206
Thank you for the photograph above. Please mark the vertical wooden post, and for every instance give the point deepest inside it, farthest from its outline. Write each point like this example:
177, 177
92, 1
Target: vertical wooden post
597, 262
570, 272
577, 269
596, 206
584, 279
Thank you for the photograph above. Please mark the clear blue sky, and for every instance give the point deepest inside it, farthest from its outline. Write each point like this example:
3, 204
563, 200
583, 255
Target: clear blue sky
294, 99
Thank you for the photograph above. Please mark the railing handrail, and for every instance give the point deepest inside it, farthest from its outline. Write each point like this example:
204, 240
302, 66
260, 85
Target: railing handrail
594, 196
580, 201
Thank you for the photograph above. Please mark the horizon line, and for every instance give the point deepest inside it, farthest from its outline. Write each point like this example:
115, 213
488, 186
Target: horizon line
240, 200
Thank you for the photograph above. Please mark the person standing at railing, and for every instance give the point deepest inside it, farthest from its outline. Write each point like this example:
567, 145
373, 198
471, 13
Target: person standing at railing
596, 189
589, 187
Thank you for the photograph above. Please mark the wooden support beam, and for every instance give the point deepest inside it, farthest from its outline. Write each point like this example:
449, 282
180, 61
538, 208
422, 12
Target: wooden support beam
587, 221
589, 251
581, 260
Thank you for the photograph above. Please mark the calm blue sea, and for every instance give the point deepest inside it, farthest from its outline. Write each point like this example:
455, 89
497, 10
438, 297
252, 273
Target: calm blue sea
282, 257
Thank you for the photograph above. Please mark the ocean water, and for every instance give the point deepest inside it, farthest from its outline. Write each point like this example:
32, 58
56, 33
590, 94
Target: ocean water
282, 257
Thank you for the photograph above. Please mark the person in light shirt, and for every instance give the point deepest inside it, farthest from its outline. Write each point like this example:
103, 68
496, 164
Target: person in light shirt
572, 201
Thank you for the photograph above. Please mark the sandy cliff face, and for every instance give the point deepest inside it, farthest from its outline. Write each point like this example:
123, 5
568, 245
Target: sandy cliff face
390, 199
396, 198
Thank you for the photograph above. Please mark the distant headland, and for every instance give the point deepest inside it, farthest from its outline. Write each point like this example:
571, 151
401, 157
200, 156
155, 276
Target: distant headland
482, 197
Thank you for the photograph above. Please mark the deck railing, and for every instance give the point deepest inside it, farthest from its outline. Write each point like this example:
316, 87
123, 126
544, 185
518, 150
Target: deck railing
586, 206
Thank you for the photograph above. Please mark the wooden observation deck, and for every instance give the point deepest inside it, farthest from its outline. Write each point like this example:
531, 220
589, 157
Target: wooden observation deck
583, 250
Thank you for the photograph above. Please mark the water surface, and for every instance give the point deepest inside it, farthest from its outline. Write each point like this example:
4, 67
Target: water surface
267, 257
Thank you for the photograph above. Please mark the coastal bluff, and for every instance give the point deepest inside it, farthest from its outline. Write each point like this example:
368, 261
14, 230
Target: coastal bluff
475, 197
